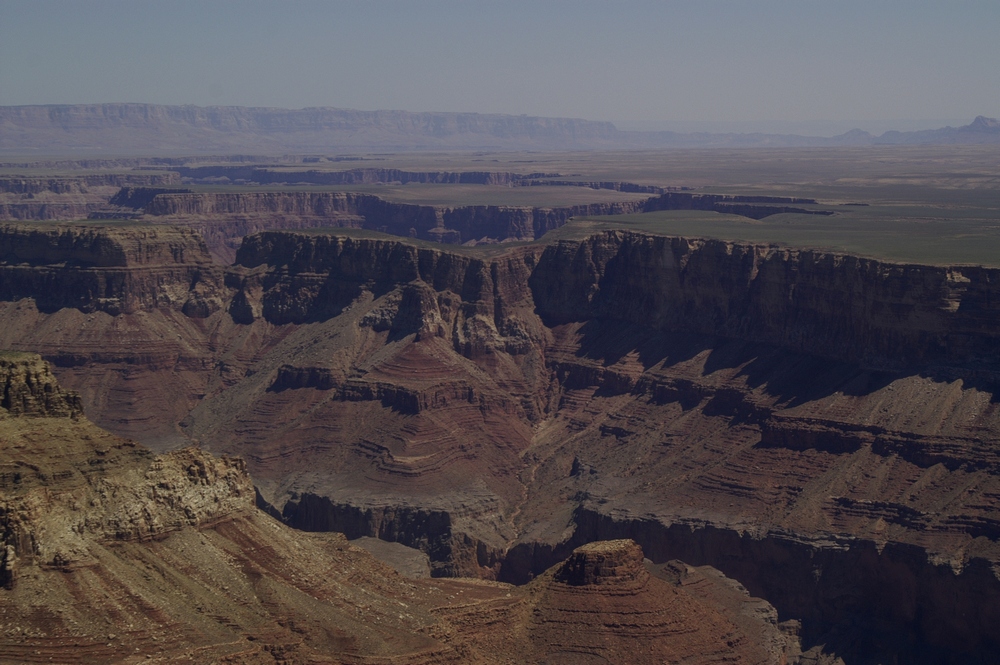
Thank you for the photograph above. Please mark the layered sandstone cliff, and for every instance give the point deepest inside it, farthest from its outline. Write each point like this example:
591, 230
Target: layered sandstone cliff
116, 270
843, 307
816, 425
239, 212
68, 197
109, 554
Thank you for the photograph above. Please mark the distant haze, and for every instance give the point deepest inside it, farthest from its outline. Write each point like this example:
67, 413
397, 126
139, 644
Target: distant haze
802, 66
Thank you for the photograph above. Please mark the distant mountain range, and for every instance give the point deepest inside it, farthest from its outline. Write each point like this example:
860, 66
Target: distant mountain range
129, 129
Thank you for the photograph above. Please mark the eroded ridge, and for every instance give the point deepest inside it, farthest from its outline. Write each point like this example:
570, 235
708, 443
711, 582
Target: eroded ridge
111, 554
813, 413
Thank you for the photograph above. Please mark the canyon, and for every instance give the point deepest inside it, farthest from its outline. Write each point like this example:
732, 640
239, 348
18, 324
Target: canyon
815, 425
110, 553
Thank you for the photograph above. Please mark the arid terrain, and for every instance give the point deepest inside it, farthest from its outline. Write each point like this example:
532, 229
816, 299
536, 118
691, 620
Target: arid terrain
776, 367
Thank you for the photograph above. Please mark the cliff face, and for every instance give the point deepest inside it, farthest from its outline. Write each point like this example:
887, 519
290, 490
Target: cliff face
69, 197
355, 176
109, 554
146, 128
54, 459
818, 303
812, 424
224, 219
438, 340
236, 214
108, 269
843, 307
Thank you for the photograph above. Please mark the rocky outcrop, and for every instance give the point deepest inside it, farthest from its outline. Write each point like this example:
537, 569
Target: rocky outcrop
443, 224
28, 388
443, 534
813, 302
602, 605
786, 415
615, 562
345, 209
893, 592
82, 183
130, 494
67, 197
140, 197
115, 270
109, 553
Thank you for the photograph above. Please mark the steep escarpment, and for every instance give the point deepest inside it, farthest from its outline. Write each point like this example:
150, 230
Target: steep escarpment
93, 268
603, 603
28, 388
439, 348
110, 553
68, 197
225, 218
240, 211
818, 426
844, 307
717, 387
80, 184
264, 176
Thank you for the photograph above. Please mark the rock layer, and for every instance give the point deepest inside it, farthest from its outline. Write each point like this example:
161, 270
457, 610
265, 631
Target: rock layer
94, 268
109, 554
785, 415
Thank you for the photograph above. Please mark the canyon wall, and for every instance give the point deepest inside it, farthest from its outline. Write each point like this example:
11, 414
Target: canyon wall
107, 269
819, 303
784, 415
68, 197
838, 306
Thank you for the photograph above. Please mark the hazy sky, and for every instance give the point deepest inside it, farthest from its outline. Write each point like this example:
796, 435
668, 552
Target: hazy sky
801, 63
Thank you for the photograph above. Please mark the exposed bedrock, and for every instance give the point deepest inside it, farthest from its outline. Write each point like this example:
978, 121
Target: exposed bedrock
839, 306
785, 401
791, 417
452, 549
867, 603
28, 388
72, 197
227, 217
80, 184
107, 269
224, 218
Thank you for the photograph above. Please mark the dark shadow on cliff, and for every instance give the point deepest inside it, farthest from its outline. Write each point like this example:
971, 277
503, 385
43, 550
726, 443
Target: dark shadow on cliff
609, 341
791, 378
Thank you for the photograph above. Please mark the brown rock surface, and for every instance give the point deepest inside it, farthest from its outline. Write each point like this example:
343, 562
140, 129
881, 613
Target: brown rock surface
110, 554
602, 606
815, 425
67, 197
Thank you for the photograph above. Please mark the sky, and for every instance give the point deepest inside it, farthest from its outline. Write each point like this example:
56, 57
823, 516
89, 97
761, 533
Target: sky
806, 66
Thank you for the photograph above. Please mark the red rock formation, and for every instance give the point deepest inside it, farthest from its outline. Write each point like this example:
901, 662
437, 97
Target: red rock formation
105, 269
815, 425
110, 554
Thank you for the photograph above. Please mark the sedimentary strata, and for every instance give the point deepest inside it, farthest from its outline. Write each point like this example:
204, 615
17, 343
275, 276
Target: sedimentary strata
816, 425
109, 554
